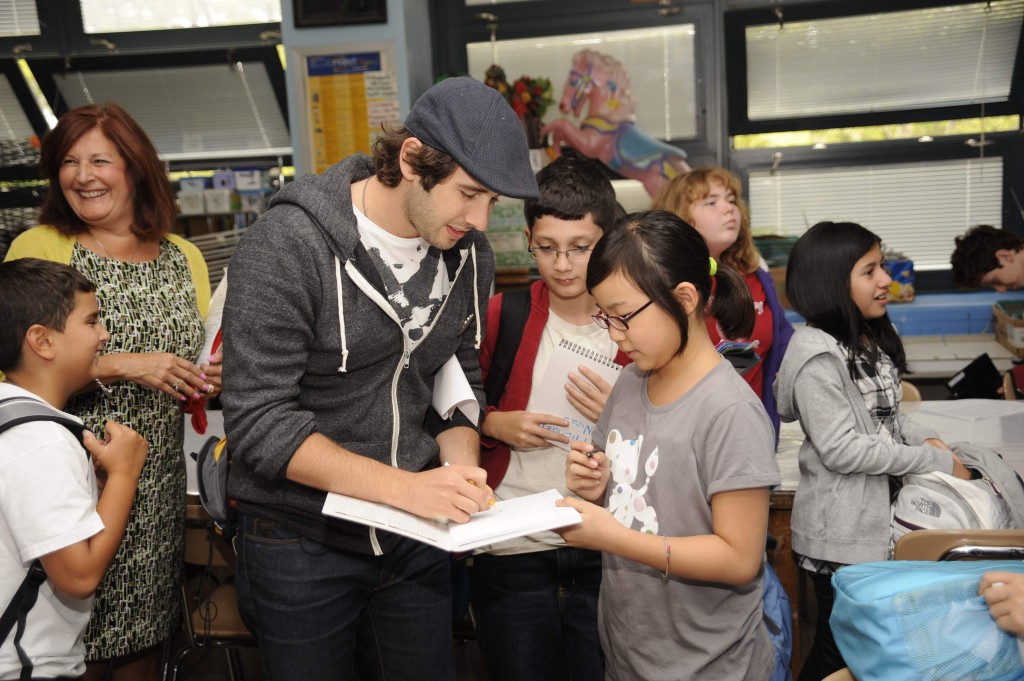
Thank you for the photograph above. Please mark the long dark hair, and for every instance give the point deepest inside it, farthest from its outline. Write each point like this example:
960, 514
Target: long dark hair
657, 250
154, 209
818, 287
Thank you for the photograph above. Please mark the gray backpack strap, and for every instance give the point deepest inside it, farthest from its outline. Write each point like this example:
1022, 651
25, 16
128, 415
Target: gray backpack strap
15, 411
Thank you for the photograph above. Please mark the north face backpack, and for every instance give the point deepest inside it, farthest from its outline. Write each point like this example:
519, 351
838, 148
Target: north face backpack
993, 501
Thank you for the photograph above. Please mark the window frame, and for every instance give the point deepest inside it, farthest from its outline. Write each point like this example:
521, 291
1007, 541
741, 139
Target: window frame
63, 33
1006, 145
44, 70
736, 22
455, 25
9, 68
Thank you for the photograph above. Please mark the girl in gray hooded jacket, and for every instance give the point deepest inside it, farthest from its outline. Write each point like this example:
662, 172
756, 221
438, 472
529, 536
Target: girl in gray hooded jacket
841, 378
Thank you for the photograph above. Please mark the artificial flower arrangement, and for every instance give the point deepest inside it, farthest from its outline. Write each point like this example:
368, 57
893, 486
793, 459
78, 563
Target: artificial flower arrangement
528, 97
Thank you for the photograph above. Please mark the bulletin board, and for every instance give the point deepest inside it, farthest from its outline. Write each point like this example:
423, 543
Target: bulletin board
348, 95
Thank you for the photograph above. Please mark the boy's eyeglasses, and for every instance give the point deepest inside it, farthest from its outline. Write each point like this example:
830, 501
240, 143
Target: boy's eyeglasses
618, 323
549, 254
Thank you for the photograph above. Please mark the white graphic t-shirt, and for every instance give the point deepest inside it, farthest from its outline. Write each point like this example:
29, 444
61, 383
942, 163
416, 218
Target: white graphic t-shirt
415, 279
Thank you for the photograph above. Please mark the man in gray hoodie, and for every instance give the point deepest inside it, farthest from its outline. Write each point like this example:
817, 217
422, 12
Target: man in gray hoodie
344, 300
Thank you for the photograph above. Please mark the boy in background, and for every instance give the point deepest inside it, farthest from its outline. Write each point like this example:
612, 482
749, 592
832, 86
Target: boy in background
50, 340
989, 257
535, 599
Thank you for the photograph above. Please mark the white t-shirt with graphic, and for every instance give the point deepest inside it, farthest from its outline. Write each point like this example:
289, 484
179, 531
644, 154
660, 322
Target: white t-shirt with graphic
48, 500
415, 279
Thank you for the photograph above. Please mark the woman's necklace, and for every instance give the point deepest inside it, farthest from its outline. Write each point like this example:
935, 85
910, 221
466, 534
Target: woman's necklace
130, 258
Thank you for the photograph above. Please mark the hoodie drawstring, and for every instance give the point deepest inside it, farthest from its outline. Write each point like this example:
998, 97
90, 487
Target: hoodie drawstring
476, 297
341, 316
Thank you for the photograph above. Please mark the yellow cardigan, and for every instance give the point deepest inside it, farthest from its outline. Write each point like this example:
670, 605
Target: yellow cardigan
47, 243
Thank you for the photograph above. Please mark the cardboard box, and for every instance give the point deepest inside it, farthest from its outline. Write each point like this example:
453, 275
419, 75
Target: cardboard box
1010, 325
901, 290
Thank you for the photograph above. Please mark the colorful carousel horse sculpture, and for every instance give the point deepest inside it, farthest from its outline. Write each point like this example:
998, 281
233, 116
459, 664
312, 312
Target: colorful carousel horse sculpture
609, 131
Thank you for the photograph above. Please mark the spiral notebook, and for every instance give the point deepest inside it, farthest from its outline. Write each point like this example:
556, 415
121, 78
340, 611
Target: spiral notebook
550, 396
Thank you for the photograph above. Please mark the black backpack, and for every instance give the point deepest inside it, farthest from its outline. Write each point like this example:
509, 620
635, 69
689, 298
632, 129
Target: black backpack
515, 308
15, 411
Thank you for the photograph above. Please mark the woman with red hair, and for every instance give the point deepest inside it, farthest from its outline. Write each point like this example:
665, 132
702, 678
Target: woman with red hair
108, 214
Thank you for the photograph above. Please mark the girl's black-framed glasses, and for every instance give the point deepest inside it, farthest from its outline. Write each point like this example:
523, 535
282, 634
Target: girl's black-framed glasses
620, 323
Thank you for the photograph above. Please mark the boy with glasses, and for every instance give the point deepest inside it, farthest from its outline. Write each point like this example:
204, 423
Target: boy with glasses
535, 599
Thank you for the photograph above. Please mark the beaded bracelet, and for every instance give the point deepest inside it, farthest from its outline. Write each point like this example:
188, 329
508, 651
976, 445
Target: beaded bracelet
668, 559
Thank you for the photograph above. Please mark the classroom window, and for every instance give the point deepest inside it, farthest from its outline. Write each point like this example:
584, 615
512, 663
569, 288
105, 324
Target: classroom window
18, 18
660, 63
103, 16
916, 208
238, 115
939, 56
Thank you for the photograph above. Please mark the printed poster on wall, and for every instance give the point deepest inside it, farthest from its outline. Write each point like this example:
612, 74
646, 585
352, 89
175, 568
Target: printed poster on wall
350, 96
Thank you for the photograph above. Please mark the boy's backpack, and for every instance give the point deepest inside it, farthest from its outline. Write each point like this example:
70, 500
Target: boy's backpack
212, 467
778, 618
906, 620
995, 501
515, 308
15, 411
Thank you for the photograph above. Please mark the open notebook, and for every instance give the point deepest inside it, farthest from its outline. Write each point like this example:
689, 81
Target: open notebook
506, 520
565, 358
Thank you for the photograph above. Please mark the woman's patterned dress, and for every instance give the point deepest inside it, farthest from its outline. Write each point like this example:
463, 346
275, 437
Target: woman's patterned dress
146, 307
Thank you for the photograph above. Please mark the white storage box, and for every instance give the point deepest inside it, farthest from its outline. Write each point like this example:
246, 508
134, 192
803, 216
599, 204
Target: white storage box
217, 200
191, 203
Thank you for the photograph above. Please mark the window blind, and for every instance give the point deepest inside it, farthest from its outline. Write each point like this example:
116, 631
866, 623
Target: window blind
939, 56
659, 62
103, 16
916, 208
14, 124
18, 17
236, 116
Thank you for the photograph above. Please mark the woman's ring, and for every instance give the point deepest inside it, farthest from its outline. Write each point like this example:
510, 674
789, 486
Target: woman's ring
175, 386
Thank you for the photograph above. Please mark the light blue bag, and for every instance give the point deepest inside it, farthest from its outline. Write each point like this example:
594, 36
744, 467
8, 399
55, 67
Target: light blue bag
907, 620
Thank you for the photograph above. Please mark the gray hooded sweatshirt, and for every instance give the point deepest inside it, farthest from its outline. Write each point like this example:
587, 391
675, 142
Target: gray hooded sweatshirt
312, 345
841, 508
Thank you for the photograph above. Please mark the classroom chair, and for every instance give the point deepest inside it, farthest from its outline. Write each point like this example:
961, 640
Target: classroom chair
209, 601
910, 392
961, 545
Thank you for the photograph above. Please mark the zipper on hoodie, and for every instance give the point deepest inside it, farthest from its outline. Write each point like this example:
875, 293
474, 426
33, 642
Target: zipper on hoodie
373, 294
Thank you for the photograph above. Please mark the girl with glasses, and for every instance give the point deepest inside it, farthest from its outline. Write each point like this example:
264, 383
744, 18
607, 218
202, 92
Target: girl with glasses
675, 484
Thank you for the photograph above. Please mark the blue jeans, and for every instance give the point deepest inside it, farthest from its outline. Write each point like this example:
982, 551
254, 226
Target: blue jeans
537, 615
325, 613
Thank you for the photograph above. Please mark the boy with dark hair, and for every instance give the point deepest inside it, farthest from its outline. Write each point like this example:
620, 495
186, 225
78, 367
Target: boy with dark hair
50, 341
535, 599
987, 256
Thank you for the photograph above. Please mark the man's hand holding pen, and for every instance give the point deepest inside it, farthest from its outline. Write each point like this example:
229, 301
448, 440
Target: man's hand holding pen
453, 492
